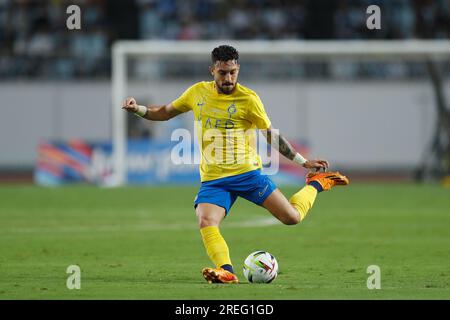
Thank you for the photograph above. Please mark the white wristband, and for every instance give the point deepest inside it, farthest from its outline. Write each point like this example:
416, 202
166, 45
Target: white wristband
299, 159
141, 111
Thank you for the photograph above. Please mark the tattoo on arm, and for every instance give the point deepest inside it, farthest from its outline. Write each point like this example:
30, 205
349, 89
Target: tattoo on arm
278, 142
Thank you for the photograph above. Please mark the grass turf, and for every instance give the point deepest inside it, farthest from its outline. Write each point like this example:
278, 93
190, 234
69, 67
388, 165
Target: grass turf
143, 243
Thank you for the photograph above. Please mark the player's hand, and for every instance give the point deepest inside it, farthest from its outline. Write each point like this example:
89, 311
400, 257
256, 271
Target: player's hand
130, 104
316, 164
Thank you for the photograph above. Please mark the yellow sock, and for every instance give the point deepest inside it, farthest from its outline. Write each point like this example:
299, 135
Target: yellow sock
215, 245
303, 200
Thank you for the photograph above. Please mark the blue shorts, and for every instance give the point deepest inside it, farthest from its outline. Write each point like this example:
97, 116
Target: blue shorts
252, 185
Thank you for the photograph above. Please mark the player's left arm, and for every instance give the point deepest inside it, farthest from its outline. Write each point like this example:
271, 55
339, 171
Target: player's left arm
258, 116
282, 145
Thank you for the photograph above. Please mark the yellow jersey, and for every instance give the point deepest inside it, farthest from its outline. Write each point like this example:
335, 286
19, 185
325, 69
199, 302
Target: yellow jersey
226, 128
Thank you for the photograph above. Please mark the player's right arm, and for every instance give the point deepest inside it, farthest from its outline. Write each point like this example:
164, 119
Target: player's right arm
155, 113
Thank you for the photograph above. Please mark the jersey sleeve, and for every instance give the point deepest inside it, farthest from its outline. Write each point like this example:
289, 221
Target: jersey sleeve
184, 102
257, 114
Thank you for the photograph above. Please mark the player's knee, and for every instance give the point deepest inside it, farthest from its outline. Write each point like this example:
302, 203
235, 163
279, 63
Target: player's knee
206, 221
291, 218
209, 215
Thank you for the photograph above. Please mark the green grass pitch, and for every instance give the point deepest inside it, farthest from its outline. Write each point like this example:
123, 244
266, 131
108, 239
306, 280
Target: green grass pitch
143, 243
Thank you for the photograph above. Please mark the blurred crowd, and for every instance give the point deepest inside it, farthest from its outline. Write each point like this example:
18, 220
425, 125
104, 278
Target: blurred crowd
34, 40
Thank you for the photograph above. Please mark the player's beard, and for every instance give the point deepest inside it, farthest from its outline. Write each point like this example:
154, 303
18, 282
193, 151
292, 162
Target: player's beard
227, 88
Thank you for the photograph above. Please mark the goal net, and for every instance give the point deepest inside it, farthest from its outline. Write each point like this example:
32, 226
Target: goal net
366, 106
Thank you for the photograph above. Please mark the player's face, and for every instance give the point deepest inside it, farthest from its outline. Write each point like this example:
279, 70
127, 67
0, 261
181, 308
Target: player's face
225, 75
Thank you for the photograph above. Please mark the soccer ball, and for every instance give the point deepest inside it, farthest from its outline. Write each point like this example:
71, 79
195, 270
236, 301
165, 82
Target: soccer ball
260, 267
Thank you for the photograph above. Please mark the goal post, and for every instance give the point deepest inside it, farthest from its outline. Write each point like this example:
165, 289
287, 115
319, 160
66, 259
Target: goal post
411, 50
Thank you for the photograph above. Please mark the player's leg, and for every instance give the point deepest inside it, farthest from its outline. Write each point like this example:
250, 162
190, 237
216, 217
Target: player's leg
212, 204
290, 211
209, 218
298, 206
260, 189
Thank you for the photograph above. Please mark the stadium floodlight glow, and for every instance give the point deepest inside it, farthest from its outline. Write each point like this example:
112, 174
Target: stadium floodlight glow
374, 49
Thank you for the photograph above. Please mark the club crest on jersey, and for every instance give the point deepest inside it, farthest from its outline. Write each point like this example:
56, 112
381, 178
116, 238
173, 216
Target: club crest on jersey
232, 109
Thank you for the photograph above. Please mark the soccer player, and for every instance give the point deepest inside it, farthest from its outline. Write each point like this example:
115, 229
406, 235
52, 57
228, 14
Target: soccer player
222, 106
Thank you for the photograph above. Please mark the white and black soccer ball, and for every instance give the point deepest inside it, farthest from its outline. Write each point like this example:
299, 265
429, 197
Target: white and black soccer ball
260, 267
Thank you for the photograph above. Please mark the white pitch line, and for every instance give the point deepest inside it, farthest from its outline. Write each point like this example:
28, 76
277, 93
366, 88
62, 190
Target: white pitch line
257, 223
254, 223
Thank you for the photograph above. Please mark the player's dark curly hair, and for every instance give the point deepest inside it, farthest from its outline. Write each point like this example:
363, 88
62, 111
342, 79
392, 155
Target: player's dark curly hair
224, 53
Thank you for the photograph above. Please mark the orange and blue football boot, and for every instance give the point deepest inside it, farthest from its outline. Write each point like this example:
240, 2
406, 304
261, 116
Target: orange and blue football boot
326, 180
219, 275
